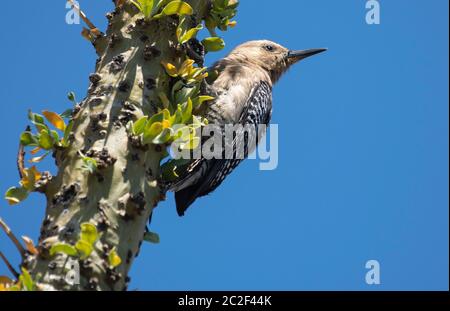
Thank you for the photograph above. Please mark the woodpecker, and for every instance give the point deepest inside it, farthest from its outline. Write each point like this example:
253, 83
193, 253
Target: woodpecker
243, 95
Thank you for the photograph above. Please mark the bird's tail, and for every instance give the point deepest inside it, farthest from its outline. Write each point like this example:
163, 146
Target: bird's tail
185, 197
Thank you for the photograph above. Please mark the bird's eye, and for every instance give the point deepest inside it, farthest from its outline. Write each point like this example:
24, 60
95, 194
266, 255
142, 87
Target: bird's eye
269, 48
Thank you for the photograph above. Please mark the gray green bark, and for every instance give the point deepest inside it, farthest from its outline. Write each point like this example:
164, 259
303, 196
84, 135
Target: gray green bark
121, 195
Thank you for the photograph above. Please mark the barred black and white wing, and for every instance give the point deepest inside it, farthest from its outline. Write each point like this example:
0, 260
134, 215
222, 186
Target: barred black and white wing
206, 175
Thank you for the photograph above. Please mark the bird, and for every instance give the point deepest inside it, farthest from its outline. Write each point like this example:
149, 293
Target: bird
243, 96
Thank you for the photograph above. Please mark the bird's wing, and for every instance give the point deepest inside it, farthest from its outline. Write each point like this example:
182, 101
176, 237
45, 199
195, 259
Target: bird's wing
209, 174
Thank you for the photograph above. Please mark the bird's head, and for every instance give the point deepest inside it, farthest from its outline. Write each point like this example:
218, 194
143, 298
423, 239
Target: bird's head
270, 56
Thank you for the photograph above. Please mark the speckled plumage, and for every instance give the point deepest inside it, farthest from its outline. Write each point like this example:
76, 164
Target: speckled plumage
243, 95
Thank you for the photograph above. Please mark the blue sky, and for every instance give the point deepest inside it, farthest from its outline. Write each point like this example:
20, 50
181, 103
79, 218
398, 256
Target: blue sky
363, 151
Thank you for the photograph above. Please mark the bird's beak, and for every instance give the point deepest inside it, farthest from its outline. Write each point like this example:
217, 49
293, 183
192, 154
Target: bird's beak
295, 56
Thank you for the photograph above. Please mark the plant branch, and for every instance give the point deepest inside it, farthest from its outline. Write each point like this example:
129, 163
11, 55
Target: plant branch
13, 238
21, 157
10, 267
82, 15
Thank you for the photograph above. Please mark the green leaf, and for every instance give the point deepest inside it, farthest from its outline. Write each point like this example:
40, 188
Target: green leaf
26, 280
177, 117
71, 97
181, 28
137, 4
16, 195
192, 143
197, 102
188, 35
45, 140
89, 164
211, 24
177, 87
40, 127
187, 111
159, 4
55, 136
162, 137
220, 4
14, 288
198, 122
199, 73
182, 133
113, 258
36, 118
213, 44
152, 131
166, 114
27, 139
84, 248
182, 95
176, 7
151, 237
67, 114
67, 132
159, 117
88, 233
145, 6
205, 98
64, 249
139, 126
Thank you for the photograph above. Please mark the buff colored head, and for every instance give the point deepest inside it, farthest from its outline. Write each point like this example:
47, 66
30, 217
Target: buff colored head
270, 56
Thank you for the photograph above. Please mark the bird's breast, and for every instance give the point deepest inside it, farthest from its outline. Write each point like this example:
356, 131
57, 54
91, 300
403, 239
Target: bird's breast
230, 102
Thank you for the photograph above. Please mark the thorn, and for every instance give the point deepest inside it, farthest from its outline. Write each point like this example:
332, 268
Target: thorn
30, 245
10, 267
20, 161
13, 238
86, 33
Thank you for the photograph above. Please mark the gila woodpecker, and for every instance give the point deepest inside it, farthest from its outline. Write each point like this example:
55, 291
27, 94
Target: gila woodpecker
243, 95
